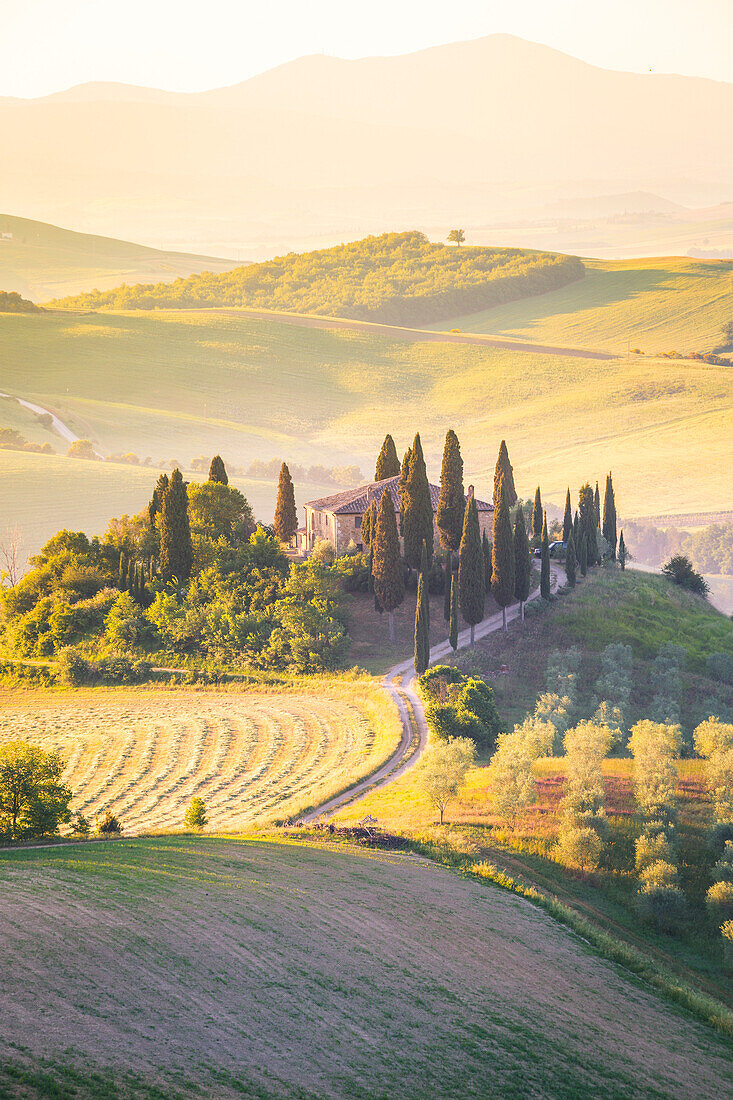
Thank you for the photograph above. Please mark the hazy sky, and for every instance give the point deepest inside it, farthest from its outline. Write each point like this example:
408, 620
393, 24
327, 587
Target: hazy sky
189, 45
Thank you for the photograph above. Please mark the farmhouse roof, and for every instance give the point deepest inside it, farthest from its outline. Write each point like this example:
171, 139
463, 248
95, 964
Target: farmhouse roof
356, 501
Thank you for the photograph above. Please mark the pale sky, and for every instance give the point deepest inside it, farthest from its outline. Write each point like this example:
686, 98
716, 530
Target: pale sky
191, 45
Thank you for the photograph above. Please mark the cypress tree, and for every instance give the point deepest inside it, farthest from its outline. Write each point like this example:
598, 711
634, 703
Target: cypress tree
389, 579
537, 515
576, 529
447, 581
609, 516
622, 552
567, 520
452, 502
571, 563
597, 506
156, 502
486, 547
471, 587
176, 551
131, 576
122, 573
522, 561
218, 471
286, 516
453, 628
368, 525
417, 509
545, 563
402, 485
502, 560
422, 618
588, 525
583, 556
388, 464
504, 472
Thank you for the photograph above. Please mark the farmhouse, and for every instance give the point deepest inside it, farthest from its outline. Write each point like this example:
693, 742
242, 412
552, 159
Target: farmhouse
338, 517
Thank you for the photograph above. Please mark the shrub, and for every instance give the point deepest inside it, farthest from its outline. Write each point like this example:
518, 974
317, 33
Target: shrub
720, 667
125, 623
195, 816
651, 849
323, 552
663, 906
719, 836
723, 869
122, 670
71, 667
719, 901
579, 846
658, 874
80, 826
680, 571
110, 825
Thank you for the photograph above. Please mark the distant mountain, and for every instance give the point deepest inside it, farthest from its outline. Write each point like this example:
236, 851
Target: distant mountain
322, 149
44, 261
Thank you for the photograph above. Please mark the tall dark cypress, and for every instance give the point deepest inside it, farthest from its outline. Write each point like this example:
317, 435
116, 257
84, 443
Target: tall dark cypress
131, 576
571, 562
453, 627
452, 502
576, 529
609, 516
402, 484
156, 502
522, 561
471, 588
597, 505
545, 563
567, 520
218, 471
504, 472
389, 579
537, 515
622, 552
286, 515
486, 547
588, 525
122, 573
176, 551
447, 580
502, 561
583, 556
422, 618
388, 464
417, 509
368, 525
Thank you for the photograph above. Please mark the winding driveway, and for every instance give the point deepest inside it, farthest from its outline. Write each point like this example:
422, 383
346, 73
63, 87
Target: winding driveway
58, 425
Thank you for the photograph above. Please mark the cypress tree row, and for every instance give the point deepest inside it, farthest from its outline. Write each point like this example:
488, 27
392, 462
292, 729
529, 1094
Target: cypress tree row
122, 573
417, 509
286, 516
609, 516
389, 580
597, 505
537, 515
505, 473
502, 560
471, 587
176, 551
545, 563
402, 484
486, 547
583, 556
388, 464
567, 520
218, 471
452, 502
447, 581
422, 618
622, 552
587, 524
522, 561
571, 563
453, 627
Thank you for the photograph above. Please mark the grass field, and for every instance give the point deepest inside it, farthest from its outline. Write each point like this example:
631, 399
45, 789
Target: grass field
657, 305
269, 969
251, 756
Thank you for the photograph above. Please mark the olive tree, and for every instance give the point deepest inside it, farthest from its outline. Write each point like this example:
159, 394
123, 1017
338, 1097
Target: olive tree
442, 770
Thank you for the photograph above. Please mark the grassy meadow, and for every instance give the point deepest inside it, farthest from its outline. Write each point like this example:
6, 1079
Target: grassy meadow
271, 969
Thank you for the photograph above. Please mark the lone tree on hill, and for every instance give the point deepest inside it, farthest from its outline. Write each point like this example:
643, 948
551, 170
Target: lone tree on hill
417, 509
402, 485
453, 627
502, 561
176, 551
486, 547
522, 561
588, 525
286, 516
389, 580
452, 502
567, 520
388, 464
571, 563
609, 516
218, 471
537, 515
471, 588
456, 236
156, 502
545, 563
622, 552
504, 472
422, 618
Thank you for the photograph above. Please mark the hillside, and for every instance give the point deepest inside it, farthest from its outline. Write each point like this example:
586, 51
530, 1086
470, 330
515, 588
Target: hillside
322, 149
398, 278
43, 261
242, 968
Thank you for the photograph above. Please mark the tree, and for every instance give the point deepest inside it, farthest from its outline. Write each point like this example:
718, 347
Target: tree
587, 523
447, 581
11, 555
583, 556
655, 747
502, 561
456, 236
195, 816
219, 511
176, 550
218, 471
442, 770
571, 563
389, 579
125, 623
609, 516
122, 573
156, 502
33, 800
511, 782
680, 571
597, 506
286, 516
452, 501
422, 618
368, 525
537, 515
486, 547
471, 588
545, 563
417, 508
504, 472
110, 825
388, 464
522, 561
579, 846
453, 627
622, 552
576, 529
567, 520
714, 742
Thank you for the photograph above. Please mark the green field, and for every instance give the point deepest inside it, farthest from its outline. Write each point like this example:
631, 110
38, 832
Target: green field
656, 305
223, 967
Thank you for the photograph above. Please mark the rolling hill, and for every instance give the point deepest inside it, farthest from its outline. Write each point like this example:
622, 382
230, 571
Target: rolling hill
43, 261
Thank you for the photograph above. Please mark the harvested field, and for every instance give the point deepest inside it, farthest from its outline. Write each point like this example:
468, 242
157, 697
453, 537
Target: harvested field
266, 969
252, 756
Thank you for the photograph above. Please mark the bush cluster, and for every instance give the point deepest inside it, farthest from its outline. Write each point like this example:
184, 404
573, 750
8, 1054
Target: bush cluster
460, 706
